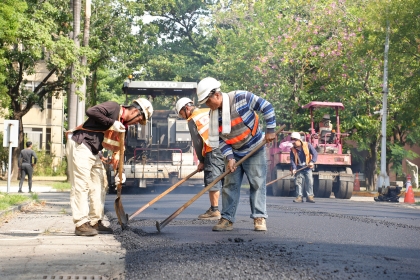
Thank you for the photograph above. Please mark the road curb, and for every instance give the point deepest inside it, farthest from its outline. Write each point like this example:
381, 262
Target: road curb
15, 208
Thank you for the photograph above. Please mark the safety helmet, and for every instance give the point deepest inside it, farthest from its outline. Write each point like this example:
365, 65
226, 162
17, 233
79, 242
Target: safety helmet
326, 117
295, 135
205, 86
181, 103
145, 106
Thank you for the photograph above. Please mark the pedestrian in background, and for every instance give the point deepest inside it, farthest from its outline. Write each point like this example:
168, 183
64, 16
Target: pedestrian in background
302, 155
85, 166
211, 160
234, 129
26, 163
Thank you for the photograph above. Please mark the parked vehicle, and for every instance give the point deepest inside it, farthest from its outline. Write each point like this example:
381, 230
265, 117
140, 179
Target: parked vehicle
332, 172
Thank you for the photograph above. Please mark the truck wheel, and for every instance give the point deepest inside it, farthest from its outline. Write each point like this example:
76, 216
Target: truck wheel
324, 188
281, 187
345, 189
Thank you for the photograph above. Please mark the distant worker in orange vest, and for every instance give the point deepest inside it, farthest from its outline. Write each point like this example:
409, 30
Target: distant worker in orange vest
211, 160
302, 155
86, 168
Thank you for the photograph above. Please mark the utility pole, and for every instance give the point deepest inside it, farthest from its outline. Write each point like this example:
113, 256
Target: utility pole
383, 179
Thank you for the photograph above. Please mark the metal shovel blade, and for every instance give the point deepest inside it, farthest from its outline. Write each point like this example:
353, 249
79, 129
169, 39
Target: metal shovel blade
121, 215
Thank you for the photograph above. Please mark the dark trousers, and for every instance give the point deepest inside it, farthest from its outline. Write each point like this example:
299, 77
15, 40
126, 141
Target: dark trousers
26, 169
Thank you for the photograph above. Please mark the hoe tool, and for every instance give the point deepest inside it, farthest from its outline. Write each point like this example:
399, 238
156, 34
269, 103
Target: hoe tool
141, 209
275, 180
119, 209
160, 226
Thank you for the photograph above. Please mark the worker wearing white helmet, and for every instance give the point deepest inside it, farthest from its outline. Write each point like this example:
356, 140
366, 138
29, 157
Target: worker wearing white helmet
211, 160
87, 196
234, 129
302, 155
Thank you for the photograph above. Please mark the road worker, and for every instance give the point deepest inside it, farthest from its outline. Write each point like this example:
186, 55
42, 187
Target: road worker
234, 129
211, 160
302, 155
84, 164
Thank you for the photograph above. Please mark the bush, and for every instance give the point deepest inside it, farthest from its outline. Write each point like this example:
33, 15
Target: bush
44, 165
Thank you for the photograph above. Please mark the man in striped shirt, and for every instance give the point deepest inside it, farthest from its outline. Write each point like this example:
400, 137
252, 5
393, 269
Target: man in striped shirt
238, 135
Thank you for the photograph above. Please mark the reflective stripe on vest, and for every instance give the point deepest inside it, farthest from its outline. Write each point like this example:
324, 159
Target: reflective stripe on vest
305, 150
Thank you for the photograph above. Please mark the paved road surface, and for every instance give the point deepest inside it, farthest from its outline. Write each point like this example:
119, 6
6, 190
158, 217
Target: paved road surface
331, 239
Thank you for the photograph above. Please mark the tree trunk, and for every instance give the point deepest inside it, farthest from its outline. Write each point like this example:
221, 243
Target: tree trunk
16, 151
72, 97
82, 98
370, 166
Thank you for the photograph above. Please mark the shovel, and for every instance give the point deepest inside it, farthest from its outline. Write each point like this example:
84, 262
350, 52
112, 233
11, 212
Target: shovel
141, 209
275, 180
160, 226
119, 209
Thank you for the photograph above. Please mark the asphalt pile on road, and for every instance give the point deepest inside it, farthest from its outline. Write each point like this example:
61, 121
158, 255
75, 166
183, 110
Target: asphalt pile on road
158, 256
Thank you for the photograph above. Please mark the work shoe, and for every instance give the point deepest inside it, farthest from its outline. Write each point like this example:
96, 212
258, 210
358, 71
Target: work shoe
101, 228
20, 190
259, 224
298, 199
223, 225
310, 199
86, 230
210, 215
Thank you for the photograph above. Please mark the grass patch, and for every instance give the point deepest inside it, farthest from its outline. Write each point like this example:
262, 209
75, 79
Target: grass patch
61, 186
8, 200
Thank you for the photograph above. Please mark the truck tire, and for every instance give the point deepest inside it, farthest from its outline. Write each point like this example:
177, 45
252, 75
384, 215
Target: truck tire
323, 188
281, 187
345, 188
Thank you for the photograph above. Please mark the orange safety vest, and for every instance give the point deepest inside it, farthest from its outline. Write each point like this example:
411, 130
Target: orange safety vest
305, 149
201, 118
240, 133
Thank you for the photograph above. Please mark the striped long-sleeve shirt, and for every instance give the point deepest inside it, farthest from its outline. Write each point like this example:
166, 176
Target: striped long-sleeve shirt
245, 104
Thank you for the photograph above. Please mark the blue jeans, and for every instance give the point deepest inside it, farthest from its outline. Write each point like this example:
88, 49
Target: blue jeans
255, 168
305, 180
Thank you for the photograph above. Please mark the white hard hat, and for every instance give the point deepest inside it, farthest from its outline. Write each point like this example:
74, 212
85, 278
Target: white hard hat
205, 86
326, 117
181, 103
295, 135
145, 106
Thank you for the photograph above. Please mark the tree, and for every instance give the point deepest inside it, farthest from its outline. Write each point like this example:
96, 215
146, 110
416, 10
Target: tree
40, 37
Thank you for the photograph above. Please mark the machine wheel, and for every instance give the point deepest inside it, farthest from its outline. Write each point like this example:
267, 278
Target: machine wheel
345, 189
323, 188
173, 180
281, 187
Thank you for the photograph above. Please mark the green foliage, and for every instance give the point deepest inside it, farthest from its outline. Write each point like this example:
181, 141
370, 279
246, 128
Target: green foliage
4, 151
44, 166
62, 186
8, 200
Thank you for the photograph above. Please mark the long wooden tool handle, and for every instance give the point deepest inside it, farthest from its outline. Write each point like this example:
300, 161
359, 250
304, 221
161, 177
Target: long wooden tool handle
160, 226
141, 209
121, 163
275, 180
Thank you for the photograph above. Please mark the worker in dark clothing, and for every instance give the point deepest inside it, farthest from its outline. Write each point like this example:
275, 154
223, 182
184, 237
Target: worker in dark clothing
85, 167
26, 162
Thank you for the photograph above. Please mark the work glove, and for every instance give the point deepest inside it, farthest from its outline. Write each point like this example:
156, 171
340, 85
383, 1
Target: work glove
117, 179
118, 126
311, 165
294, 172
